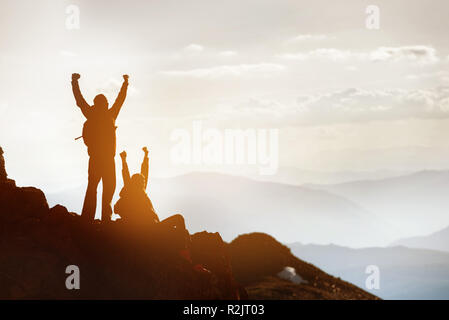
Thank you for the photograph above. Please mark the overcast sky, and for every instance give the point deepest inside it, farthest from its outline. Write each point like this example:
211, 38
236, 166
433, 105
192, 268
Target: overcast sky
343, 97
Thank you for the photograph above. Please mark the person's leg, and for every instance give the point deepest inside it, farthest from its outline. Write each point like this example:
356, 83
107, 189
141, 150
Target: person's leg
90, 199
109, 183
176, 228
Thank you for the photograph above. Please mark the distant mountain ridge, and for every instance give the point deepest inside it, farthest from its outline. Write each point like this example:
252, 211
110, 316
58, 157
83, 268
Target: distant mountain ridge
436, 241
295, 176
405, 273
415, 204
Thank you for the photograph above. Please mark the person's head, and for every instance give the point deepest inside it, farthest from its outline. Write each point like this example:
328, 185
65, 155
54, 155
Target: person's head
137, 181
100, 102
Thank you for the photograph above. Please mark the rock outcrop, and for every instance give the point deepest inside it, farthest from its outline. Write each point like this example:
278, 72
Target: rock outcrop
258, 259
3, 175
37, 243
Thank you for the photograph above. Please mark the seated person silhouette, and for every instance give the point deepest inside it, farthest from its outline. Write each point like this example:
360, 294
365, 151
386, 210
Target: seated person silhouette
136, 209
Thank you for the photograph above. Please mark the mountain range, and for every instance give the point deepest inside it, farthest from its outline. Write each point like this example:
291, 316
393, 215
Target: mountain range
404, 273
435, 241
414, 204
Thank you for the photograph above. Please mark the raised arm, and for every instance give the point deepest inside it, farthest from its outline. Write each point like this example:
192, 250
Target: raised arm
80, 102
144, 168
120, 98
125, 170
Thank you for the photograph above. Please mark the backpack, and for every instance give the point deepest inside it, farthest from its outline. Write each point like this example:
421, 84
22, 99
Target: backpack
135, 205
91, 132
87, 135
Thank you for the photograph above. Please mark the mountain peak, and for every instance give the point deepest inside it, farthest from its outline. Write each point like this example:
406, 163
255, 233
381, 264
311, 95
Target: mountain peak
258, 259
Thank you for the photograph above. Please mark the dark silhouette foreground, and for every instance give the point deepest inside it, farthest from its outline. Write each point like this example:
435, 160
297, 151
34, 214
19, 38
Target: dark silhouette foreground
134, 206
136, 209
115, 261
100, 139
38, 243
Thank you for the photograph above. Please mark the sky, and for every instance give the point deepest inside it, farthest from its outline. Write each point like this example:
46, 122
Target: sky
343, 96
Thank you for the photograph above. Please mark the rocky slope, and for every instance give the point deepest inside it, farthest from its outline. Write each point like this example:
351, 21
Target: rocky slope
37, 243
257, 259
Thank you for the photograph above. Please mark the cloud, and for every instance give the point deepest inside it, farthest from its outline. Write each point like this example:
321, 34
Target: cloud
261, 69
364, 105
358, 105
441, 75
193, 48
323, 53
420, 54
345, 106
309, 37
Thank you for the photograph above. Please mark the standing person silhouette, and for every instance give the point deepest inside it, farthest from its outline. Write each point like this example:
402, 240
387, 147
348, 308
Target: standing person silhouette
100, 139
